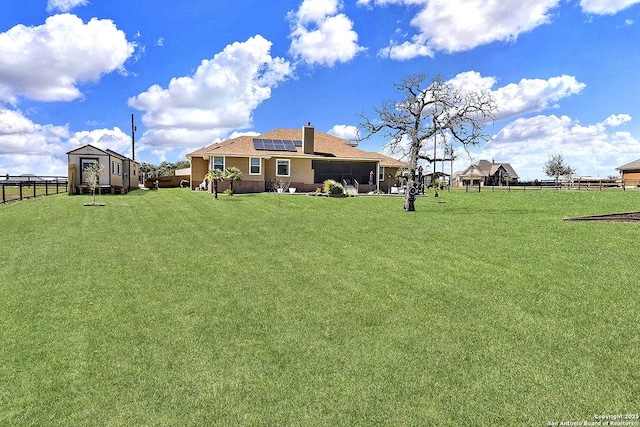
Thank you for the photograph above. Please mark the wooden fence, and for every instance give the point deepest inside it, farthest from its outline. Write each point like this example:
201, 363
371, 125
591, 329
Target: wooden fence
588, 184
26, 187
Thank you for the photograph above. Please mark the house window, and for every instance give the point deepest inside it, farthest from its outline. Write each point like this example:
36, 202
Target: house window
113, 168
255, 164
381, 173
283, 167
218, 163
118, 168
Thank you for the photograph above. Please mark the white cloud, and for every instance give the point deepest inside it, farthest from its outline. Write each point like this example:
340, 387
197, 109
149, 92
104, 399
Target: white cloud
112, 139
526, 96
605, 7
65, 5
533, 95
350, 133
43, 164
322, 36
459, 25
218, 98
20, 135
47, 62
26, 146
593, 150
405, 50
527, 142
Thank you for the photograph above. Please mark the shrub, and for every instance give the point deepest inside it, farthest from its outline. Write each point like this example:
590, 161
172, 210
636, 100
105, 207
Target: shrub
332, 187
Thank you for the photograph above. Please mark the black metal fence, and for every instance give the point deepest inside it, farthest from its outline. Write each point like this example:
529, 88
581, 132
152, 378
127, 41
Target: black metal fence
29, 186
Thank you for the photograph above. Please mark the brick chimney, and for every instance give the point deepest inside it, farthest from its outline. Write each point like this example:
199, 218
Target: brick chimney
307, 139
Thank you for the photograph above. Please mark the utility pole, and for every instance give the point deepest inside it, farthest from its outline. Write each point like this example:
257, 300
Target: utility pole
133, 139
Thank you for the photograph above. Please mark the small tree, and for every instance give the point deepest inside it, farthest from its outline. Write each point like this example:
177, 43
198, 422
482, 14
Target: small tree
93, 172
232, 174
214, 176
556, 167
282, 184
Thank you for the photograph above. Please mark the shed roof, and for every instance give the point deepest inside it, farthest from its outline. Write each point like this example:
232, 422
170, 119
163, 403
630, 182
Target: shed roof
635, 165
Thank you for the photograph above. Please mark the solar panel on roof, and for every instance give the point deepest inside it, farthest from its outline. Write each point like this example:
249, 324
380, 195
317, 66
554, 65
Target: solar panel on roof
289, 146
274, 144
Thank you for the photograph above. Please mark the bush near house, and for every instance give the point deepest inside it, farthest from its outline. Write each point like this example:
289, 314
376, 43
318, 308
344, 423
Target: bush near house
332, 187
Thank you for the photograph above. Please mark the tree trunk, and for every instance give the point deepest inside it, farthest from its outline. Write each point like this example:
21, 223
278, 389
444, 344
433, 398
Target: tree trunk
215, 190
409, 205
410, 197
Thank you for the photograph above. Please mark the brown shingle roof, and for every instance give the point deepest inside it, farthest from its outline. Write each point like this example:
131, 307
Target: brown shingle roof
325, 145
490, 168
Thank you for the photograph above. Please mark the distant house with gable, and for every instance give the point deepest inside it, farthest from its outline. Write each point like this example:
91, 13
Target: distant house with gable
486, 173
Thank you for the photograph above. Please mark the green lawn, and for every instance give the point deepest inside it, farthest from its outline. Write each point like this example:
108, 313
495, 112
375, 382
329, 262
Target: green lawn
169, 308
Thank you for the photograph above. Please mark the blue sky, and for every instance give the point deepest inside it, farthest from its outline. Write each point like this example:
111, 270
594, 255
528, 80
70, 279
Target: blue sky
563, 72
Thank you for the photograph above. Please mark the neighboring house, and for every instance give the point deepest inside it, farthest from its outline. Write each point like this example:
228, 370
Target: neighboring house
120, 173
484, 172
303, 159
630, 173
22, 179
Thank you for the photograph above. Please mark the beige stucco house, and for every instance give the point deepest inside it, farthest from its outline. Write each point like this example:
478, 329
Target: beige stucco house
119, 175
303, 158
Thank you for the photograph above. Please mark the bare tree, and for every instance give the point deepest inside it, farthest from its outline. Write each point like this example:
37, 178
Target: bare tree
439, 110
556, 167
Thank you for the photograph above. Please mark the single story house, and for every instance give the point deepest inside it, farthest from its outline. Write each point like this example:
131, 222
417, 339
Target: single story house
120, 174
304, 159
484, 172
630, 173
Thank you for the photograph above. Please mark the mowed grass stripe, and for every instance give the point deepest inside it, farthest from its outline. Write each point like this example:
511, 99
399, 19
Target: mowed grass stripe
172, 308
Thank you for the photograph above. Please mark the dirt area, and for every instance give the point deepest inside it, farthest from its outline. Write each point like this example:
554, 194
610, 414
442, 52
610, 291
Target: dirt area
617, 217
